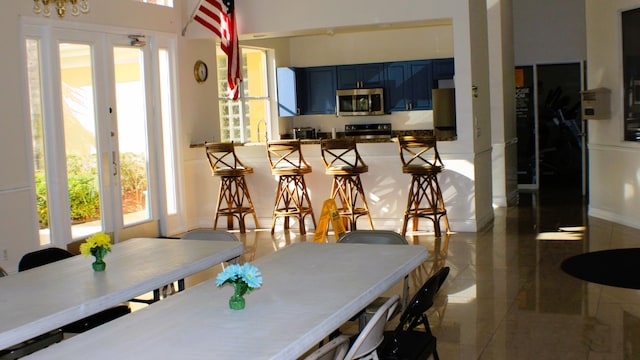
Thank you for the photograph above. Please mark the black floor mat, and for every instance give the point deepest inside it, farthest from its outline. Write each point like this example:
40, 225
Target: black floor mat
617, 267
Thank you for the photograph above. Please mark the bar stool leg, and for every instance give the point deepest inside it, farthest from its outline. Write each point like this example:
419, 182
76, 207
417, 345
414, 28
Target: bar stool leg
245, 193
360, 190
292, 200
338, 191
279, 194
308, 210
347, 188
233, 192
425, 190
221, 191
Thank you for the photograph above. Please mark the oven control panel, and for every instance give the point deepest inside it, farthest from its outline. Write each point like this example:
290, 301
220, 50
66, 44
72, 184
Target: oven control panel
368, 130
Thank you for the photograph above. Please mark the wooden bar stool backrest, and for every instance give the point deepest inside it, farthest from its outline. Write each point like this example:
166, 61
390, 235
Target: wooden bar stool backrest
285, 158
341, 157
223, 160
419, 154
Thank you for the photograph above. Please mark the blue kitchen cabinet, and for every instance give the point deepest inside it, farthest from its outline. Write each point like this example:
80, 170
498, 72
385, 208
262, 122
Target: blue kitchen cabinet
287, 79
408, 85
318, 90
443, 69
361, 76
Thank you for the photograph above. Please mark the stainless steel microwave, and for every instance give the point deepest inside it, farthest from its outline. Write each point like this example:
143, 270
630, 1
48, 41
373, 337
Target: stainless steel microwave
360, 102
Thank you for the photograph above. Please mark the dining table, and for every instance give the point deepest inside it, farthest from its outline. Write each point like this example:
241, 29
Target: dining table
309, 290
47, 297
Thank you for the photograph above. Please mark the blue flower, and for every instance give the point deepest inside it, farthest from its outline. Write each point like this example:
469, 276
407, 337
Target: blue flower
230, 274
247, 273
251, 275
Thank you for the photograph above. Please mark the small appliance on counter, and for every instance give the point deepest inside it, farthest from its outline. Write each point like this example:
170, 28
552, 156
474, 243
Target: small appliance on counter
304, 133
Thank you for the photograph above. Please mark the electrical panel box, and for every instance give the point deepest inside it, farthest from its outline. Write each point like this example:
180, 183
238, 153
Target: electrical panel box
596, 104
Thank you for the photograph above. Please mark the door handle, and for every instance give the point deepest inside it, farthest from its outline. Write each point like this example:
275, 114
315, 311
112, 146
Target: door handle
115, 165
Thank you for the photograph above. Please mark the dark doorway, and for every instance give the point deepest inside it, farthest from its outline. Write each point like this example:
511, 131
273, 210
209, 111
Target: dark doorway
551, 134
560, 133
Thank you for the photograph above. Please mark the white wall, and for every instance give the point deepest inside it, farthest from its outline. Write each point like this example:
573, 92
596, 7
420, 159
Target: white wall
503, 122
549, 31
391, 44
614, 176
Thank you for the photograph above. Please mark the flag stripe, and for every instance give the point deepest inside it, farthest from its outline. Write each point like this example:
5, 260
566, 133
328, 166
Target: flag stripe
208, 25
212, 14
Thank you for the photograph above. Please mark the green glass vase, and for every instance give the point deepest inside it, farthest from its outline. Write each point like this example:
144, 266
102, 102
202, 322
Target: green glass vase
236, 302
98, 265
98, 254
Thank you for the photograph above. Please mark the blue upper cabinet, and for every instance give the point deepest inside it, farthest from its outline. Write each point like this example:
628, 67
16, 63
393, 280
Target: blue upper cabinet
443, 69
408, 85
318, 86
287, 92
361, 76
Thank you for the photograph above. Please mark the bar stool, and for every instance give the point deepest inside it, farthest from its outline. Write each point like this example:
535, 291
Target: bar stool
421, 160
234, 200
342, 160
292, 197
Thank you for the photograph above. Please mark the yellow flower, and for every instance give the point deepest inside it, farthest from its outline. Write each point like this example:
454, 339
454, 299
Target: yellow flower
99, 241
85, 249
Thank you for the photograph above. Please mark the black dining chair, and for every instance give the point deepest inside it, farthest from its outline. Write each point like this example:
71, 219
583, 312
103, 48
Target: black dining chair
32, 345
49, 255
388, 237
407, 341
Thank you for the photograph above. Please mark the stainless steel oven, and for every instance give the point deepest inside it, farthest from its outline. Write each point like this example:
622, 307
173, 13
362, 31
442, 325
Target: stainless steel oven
368, 131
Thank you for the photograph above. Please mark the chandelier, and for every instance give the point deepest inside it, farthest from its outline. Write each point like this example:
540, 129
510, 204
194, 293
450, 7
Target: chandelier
77, 7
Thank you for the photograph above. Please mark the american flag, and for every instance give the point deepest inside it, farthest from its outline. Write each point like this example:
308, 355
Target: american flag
219, 17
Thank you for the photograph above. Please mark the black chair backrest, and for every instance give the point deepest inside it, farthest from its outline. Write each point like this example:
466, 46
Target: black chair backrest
42, 257
415, 313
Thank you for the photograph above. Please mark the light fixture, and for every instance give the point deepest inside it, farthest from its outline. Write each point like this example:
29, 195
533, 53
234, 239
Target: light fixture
77, 7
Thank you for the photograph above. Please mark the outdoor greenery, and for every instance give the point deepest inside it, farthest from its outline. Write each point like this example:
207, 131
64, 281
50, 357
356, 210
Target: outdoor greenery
84, 195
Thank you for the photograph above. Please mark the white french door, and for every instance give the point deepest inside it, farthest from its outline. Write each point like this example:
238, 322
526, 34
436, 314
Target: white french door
98, 133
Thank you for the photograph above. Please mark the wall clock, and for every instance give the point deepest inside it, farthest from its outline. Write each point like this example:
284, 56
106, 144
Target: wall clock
200, 71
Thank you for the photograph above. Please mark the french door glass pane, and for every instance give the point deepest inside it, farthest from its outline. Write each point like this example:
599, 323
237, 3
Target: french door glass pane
132, 133
167, 131
77, 85
37, 135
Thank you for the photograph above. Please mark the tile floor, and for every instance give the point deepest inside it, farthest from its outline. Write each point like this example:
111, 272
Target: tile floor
506, 296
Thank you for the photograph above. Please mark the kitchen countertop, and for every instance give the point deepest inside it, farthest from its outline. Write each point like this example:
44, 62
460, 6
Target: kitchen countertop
322, 135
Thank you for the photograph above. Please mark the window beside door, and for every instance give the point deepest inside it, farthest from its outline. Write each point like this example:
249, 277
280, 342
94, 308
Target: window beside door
246, 119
